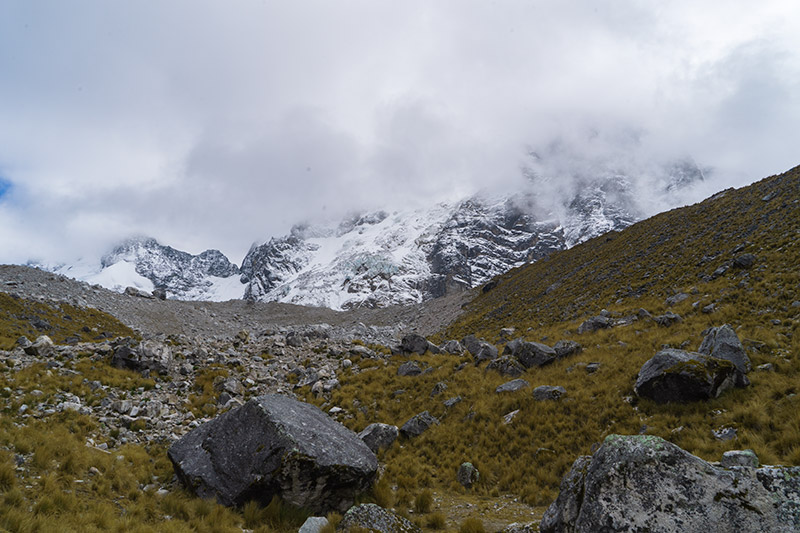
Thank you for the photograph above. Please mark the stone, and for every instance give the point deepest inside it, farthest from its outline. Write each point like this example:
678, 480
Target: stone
415, 343
742, 458
744, 261
566, 348
133, 291
724, 434
591, 368
593, 324
534, 354
418, 424
379, 436
371, 517
548, 392
439, 388
708, 309
507, 366
667, 319
509, 417
409, 368
485, 352
313, 524
160, 293
723, 343
275, 446
453, 347
644, 483
148, 355
677, 298
679, 376
43, 346
512, 386
467, 475
471, 343
450, 402
519, 527
507, 333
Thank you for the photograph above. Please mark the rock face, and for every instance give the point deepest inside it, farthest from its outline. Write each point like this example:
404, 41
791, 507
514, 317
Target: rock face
723, 343
371, 517
275, 445
680, 376
644, 483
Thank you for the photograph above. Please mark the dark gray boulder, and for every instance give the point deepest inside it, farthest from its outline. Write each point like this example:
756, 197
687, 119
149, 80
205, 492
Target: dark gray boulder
643, 483
467, 475
679, 376
744, 261
485, 352
534, 354
667, 319
414, 343
147, 355
723, 343
512, 386
409, 368
594, 323
548, 392
378, 436
275, 445
566, 348
677, 298
471, 343
507, 366
370, 517
418, 424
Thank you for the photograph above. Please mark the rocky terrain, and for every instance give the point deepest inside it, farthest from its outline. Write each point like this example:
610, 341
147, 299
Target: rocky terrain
534, 402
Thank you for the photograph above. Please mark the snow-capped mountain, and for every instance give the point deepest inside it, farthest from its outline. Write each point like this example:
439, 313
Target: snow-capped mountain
401, 257
143, 263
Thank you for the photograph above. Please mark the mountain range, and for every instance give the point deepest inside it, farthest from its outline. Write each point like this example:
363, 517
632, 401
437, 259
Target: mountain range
383, 258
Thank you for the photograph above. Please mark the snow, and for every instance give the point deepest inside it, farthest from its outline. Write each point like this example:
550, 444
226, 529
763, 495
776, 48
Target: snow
118, 277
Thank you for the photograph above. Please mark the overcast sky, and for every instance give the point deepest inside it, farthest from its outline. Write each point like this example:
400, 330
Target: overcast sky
219, 123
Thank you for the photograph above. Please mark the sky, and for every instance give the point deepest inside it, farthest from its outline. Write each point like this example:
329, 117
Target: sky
211, 124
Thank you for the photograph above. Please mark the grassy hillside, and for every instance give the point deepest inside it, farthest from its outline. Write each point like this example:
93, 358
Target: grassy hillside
622, 272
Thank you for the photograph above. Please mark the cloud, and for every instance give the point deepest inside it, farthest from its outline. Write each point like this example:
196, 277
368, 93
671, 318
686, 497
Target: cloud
214, 124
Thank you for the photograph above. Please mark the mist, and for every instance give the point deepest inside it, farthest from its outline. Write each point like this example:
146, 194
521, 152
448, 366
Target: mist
213, 125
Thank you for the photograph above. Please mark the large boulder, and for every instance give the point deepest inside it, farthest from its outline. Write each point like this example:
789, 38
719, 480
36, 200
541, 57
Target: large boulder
43, 346
544, 393
533, 354
644, 483
148, 355
479, 349
378, 436
507, 366
370, 517
415, 343
566, 348
723, 343
679, 376
275, 445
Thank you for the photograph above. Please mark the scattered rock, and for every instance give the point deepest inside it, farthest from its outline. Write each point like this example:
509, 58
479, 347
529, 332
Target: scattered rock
512, 386
414, 343
708, 309
509, 417
519, 527
507, 333
593, 324
677, 298
679, 376
724, 433
133, 291
743, 458
506, 366
43, 346
159, 293
409, 368
591, 368
744, 261
418, 424
723, 343
275, 445
548, 392
452, 347
467, 475
370, 517
450, 402
533, 354
148, 355
438, 389
313, 524
379, 436
486, 352
566, 348
667, 319
644, 483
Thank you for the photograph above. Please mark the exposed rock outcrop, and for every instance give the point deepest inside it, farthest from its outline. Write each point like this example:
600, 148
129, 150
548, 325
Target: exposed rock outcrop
644, 483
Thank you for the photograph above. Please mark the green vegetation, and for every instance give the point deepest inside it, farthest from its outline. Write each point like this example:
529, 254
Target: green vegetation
60, 322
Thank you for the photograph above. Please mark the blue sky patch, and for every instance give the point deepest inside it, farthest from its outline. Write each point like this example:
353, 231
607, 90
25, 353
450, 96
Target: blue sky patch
5, 186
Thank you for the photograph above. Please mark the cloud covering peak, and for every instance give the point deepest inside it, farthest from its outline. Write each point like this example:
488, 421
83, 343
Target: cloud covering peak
212, 124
